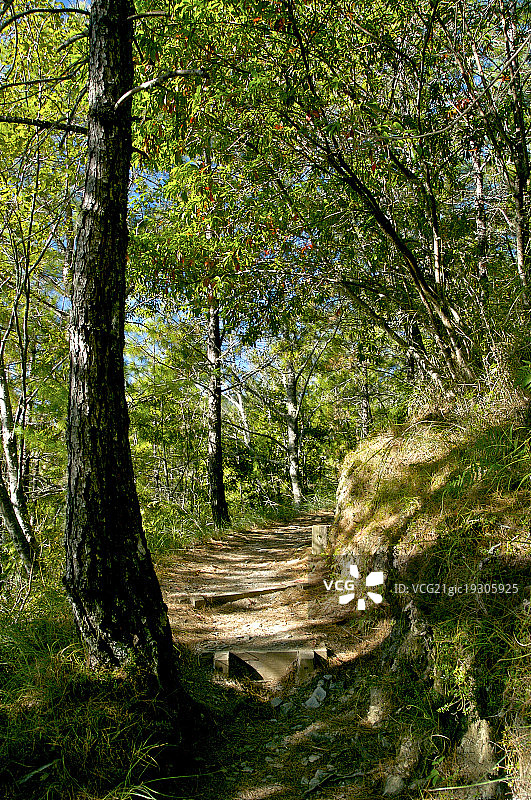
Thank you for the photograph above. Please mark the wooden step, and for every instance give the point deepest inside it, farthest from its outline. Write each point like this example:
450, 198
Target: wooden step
199, 600
269, 665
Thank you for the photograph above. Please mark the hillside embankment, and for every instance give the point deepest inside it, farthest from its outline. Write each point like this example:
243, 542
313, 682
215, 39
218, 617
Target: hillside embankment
442, 507
427, 688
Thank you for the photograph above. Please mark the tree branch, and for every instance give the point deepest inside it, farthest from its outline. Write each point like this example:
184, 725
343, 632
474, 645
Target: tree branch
256, 433
178, 73
42, 81
72, 39
406, 343
302, 392
14, 18
44, 124
148, 14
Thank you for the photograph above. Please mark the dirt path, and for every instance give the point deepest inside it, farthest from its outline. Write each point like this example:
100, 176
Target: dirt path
271, 745
255, 560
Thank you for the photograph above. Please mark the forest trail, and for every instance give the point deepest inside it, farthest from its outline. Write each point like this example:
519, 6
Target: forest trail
300, 615
270, 743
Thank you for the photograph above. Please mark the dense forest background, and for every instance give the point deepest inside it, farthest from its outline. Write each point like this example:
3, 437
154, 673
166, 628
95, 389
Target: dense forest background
327, 235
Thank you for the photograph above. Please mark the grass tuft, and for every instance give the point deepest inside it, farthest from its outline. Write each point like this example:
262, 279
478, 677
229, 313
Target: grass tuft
65, 731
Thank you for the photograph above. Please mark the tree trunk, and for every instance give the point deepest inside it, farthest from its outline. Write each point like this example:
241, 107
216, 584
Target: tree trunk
522, 230
520, 155
109, 576
12, 526
292, 423
13, 504
366, 413
216, 485
443, 319
507, 133
246, 433
481, 224
414, 334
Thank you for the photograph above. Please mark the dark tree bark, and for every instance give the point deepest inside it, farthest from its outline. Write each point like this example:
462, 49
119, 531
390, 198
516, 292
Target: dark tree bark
414, 335
110, 580
292, 423
216, 485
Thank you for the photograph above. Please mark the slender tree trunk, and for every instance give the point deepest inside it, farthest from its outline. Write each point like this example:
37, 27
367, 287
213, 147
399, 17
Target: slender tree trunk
246, 433
109, 576
12, 526
413, 334
366, 413
292, 423
482, 242
165, 466
13, 505
443, 318
522, 231
520, 155
216, 485
438, 269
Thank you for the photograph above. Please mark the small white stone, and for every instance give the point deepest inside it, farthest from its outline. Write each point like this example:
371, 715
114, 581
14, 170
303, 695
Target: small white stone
393, 785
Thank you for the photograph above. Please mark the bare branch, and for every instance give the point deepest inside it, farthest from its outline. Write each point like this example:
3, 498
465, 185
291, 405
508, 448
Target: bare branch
22, 14
44, 124
148, 14
42, 81
302, 391
257, 433
179, 73
72, 39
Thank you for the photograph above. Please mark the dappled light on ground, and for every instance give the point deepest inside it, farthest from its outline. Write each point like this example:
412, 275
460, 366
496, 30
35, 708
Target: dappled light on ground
255, 560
